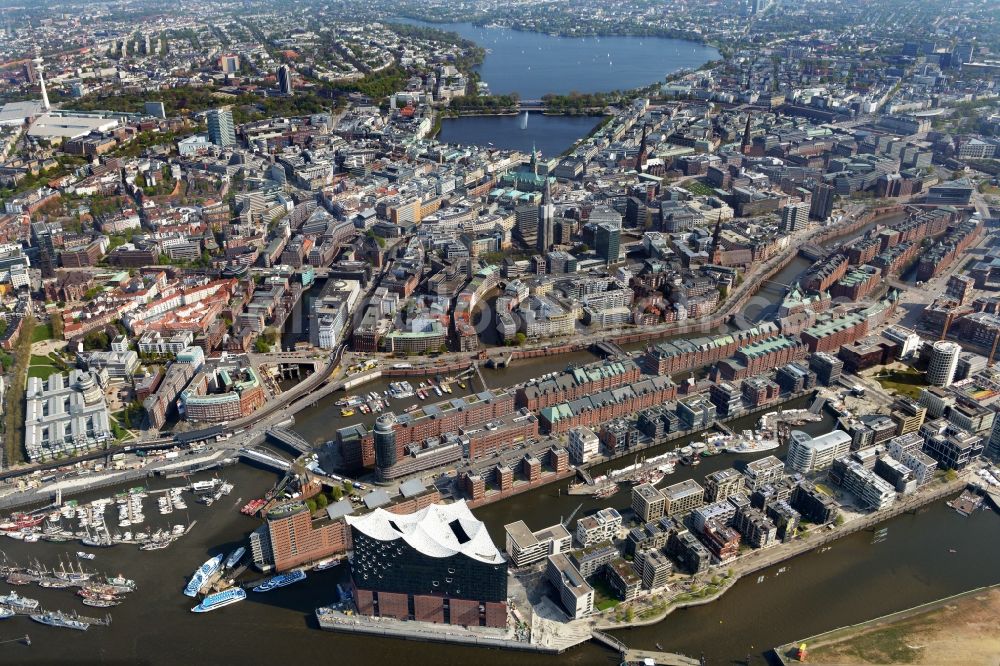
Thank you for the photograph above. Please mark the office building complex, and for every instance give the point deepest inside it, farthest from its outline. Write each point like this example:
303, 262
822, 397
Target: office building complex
607, 239
794, 217
722, 484
765, 471
575, 593
290, 537
583, 445
66, 415
602, 526
647, 502
222, 395
436, 565
221, 131
682, 498
872, 491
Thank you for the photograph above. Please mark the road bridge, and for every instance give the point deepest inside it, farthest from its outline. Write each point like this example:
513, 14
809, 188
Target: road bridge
265, 458
812, 251
289, 439
608, 349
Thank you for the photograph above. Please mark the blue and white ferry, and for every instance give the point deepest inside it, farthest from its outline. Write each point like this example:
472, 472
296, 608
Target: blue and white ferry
281, 580
219, 599
235, 557
202, 574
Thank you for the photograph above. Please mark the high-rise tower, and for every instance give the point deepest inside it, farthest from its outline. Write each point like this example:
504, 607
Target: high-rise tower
220, 127
546, 220
41, 82
285, 80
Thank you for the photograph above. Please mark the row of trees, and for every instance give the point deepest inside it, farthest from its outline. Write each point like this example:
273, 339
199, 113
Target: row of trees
13, 421
490, 103
576, 101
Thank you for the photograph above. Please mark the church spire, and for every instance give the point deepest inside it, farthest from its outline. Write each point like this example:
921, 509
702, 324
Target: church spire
640, 159
745, 145
716, 241
534, 159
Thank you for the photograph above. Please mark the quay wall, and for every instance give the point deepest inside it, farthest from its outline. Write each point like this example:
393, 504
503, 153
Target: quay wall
422, 371
411, 632
35, 496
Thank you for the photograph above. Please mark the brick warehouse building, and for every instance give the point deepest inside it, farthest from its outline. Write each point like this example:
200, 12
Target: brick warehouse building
761, 356
592, 410
449, 416
681, 355
436, 565
576, 383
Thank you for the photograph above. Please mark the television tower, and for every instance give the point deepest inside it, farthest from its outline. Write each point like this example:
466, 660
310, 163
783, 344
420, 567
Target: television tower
41, 81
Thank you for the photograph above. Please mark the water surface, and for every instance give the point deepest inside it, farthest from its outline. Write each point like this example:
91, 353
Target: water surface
533, 64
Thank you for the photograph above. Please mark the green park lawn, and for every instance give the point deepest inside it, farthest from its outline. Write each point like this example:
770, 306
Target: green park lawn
41, 332
699, 188
908, 383
41, 367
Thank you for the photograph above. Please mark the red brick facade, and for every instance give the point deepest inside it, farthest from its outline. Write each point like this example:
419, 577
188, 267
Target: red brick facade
394, 604
464, 612
296, 540
428, 609
711, 350
598, 415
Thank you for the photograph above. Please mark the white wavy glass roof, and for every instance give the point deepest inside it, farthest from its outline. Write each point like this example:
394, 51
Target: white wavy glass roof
439, 530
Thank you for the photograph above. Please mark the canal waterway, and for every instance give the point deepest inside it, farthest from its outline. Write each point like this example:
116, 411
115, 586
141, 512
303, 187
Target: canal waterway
550, 135
534, 64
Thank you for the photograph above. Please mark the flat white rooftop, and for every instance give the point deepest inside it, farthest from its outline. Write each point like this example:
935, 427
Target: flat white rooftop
54, 125
15, 113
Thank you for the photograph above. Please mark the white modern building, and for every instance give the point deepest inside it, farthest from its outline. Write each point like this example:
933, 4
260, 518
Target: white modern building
575, 593
808, 454
943, 363
526, 547
908, 341
583, 445
602, 526
153, 342
871, 490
